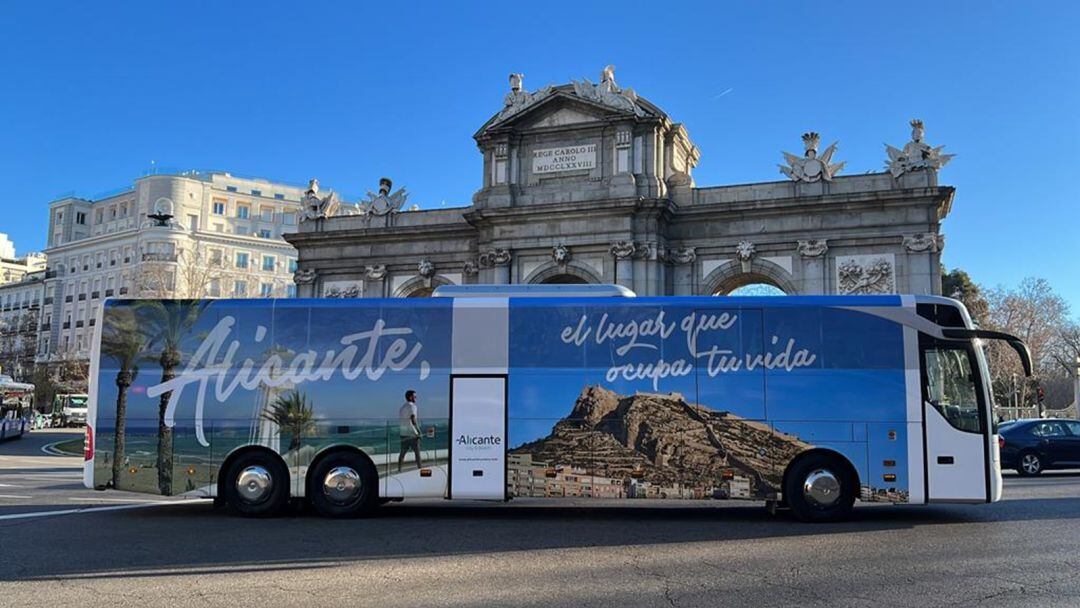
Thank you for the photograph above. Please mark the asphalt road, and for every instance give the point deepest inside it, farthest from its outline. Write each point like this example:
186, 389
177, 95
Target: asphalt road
116, 549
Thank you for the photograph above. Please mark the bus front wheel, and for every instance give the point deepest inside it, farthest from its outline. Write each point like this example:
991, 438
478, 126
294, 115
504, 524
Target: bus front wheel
256, 484
343, 484
820, 488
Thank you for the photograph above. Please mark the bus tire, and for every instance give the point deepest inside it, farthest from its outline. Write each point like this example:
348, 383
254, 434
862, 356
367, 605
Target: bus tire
820, 488
343, 483
256, 484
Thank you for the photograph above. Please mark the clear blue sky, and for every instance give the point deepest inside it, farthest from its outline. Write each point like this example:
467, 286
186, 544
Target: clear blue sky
91, 95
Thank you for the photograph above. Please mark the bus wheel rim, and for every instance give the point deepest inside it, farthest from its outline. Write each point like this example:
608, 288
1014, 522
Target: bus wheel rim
342, 484
1031, 463
821, 488
254, 483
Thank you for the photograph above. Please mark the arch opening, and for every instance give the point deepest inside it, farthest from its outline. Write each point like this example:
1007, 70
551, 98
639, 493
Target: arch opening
564, 279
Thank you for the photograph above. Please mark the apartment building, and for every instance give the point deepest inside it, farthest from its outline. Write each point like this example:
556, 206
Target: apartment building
14, 269
191, 234
20, 308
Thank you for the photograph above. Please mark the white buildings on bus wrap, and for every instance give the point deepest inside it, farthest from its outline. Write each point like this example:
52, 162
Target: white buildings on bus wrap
216, 235
591, 183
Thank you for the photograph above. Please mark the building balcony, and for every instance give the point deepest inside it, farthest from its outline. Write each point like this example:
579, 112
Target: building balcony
159, 257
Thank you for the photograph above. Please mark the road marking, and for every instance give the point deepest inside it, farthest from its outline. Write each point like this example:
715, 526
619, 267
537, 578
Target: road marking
12, 496
125, 500
52, 451
92, 510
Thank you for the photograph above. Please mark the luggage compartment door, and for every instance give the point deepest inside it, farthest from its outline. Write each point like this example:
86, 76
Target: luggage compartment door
478, 437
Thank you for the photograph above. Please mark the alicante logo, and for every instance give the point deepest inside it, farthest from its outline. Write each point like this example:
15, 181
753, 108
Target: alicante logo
478, 440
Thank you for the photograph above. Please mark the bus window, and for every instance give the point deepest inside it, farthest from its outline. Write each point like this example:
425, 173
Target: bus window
950, 386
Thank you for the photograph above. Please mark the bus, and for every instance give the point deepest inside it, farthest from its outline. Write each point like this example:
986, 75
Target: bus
16, 406
546, 392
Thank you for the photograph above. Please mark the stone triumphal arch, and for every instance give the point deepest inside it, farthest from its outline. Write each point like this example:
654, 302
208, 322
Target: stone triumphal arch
591, 183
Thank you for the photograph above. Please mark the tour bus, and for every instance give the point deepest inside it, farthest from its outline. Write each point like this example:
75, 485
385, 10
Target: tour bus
545, 392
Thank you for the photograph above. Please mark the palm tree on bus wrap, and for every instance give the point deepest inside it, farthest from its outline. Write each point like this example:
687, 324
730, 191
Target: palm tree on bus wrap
125, 343
167, 324
292, 412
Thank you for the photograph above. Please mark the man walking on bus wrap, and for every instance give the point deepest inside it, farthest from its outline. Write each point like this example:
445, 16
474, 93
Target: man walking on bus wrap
409, 429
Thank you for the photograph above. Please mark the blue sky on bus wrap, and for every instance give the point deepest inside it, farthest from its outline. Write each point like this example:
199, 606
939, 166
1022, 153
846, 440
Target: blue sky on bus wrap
350, 93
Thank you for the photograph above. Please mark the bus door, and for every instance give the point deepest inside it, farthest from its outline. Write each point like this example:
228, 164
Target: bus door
478, 437
955, 422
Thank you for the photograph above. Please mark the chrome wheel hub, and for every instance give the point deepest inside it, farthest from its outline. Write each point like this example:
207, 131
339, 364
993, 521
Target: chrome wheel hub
341, 484
821, 488
1030, 463
254, 483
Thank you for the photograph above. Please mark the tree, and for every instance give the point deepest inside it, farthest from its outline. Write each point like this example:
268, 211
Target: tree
122, 340
957, 284
1039, 316
167, 323
292, 413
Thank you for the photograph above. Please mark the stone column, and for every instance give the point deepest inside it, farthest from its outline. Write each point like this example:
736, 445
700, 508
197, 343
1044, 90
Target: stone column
624, 263
682, 261
812, 254
375, 281
921, 260
498, 261
305, 283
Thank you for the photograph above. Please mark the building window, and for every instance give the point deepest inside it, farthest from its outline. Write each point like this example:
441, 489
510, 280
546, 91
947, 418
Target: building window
80, 218
243, 230
240, 289
230, 188
243, 211
112, 213
266, 214
99, 216
216, 257
255, 192
292, 265
266, 290
279, 196
289, 218
264, 233
219, 207
193, 222
123, 210
241, 259
59, 216
215, 288
269, 262
290, 290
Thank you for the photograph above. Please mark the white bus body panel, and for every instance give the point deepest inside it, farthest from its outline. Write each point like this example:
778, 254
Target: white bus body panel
478, 438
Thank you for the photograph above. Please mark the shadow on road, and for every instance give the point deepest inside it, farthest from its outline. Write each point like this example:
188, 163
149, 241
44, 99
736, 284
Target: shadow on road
194, 538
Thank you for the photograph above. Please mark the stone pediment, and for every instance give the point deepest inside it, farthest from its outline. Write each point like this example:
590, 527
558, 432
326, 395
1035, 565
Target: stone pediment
558, 106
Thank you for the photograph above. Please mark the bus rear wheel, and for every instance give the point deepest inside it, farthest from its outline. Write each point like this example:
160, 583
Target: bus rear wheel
820, 488
343, 484
256, 485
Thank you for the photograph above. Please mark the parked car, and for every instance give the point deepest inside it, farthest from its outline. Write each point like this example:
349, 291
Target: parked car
1033, 446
